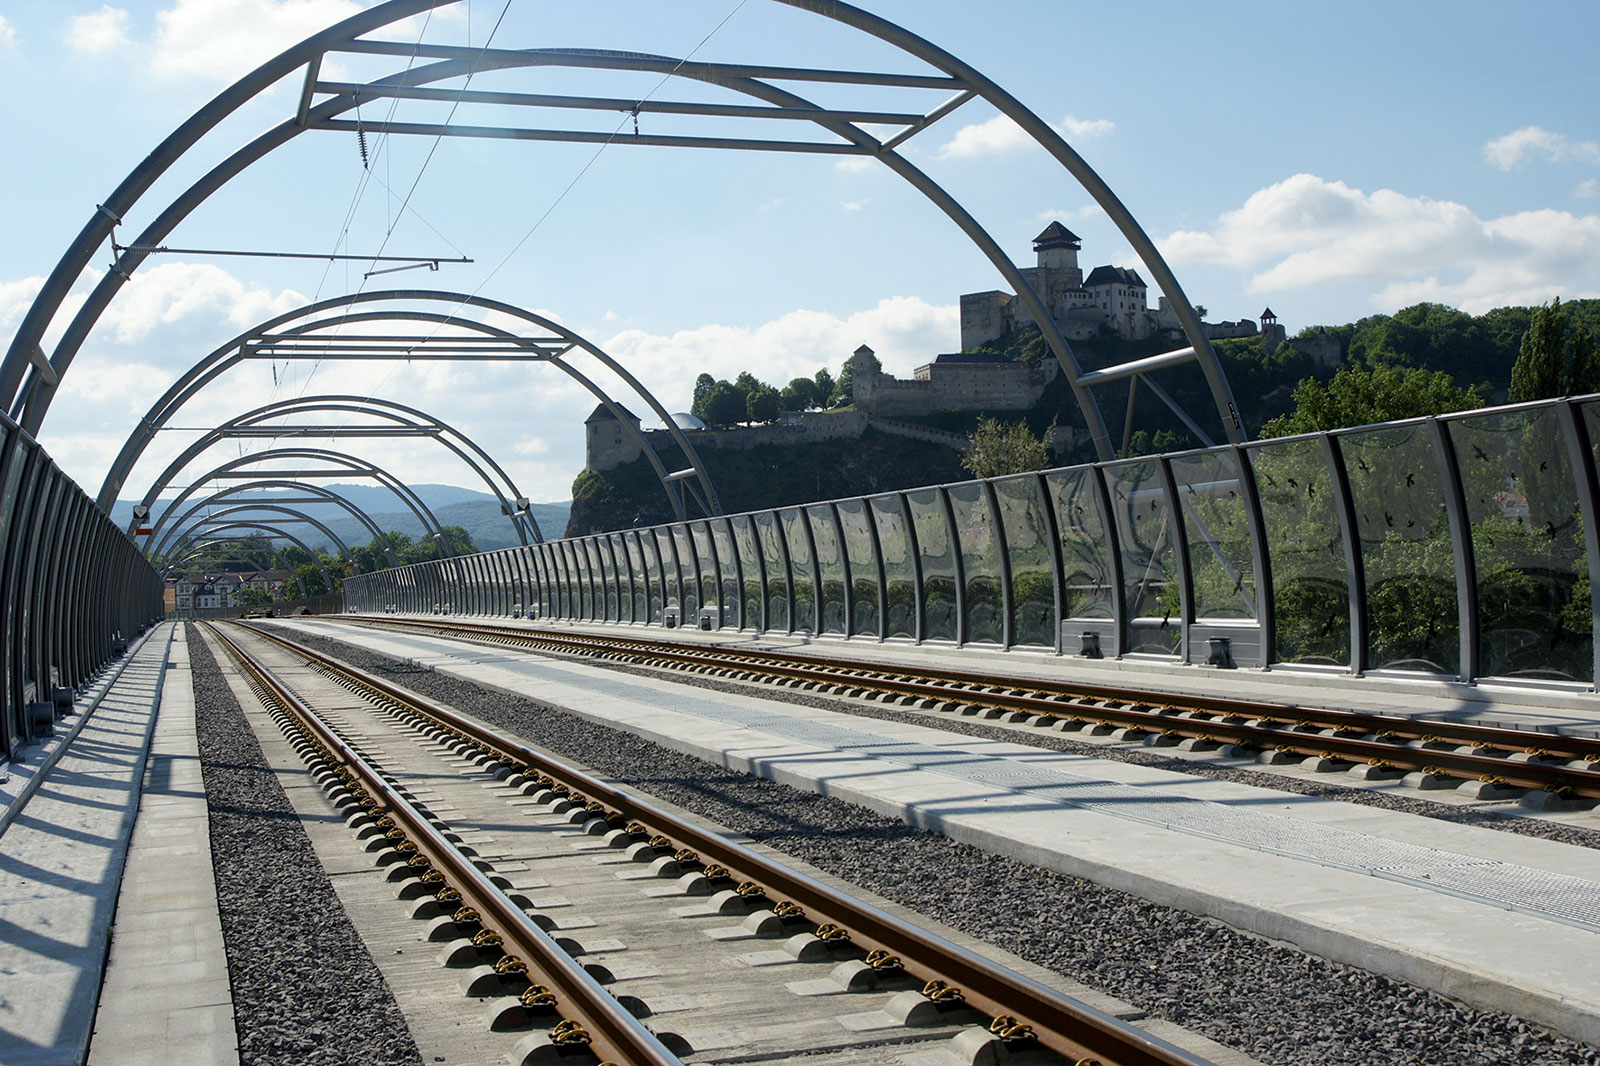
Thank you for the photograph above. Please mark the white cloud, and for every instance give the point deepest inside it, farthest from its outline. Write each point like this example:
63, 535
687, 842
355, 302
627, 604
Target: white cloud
852, 206
1001, 134
855, 164
223, 38
1306, 231
1587, 190
173, 291
904, 331
100, 32
531, 446
15, 298
1515, 147
8, 36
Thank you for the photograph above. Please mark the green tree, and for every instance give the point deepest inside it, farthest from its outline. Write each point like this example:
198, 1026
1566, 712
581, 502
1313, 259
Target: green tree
843, 393
801, 394
1540, 371
702, 388
724, 406
250, 596
1583, 369
762, 403
1004, 448
824, 382
1357, 397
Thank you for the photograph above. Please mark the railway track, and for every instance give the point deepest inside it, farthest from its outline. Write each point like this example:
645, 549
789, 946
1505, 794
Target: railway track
376, 753
1440, 753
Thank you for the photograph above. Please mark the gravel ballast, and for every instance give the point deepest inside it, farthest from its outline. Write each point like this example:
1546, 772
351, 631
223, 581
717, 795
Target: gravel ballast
1269, 1000
305, 990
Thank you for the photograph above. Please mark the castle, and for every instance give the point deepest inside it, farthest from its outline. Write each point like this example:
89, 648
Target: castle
1110, 298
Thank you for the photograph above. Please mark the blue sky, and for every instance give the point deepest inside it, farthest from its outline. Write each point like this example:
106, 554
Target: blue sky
1331, 161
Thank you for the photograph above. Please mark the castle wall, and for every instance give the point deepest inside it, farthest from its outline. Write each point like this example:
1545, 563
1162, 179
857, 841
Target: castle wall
950, 387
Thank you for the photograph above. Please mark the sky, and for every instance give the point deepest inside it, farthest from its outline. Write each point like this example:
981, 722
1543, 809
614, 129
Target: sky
1329, 161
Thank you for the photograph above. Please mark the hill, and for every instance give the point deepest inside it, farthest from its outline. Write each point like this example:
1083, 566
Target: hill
477, 512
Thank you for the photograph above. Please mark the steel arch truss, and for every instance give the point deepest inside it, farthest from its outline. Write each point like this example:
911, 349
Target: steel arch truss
315, 494
340, 465
402, 421
29, 376
342, 328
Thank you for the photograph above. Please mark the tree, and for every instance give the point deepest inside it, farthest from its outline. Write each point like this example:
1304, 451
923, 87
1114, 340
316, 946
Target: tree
1583, 371
251, 596
1540, 369
1004, 448
762, 403
843, 393
1357, 397
702, 388
724, 406
824, 382
801, 395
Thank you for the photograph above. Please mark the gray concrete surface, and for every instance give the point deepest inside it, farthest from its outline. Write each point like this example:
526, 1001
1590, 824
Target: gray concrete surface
61, 861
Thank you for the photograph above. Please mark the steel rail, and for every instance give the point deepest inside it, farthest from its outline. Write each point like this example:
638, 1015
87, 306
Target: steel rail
614, 1034
1356, 737
1055, 1021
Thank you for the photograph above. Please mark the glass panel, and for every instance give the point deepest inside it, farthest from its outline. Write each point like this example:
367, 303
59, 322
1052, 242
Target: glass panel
1405, 544
1088, 589
641, 577
597, 578
708, 563
777, 578
830, 560
690, 569
745, 535
1216, 521
669, 566
652, 569
794, 532
728, 593
1149, 557
899, 569
1033, 572
556, 604
854, 520
619, 601
938, 563
980, 560
1310, 590
1534, 617
579, 599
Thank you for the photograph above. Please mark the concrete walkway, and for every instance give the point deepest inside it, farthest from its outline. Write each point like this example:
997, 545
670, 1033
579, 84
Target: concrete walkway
64, 855
165, 998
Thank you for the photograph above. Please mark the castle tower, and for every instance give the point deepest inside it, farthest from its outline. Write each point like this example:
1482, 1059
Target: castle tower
1272, 334
1057, 248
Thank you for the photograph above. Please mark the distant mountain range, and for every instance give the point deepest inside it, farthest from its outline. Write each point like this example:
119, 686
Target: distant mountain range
477, 512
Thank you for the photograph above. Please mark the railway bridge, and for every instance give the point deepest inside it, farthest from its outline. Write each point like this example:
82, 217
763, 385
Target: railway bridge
1315, 712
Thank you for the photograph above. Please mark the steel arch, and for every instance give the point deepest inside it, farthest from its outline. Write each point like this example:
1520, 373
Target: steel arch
362, 467
26, 356
275, 530
258, 340
177, 531
322, 494
395, 412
